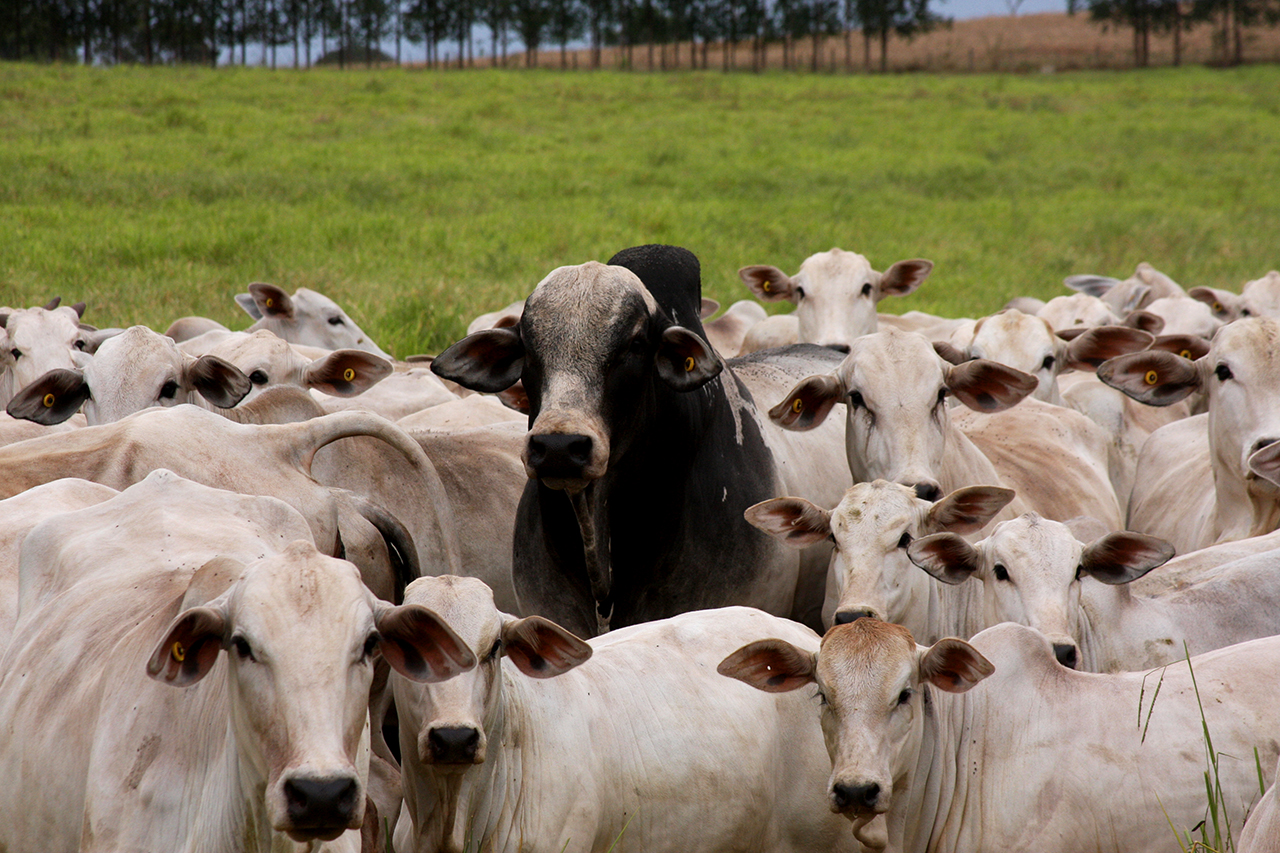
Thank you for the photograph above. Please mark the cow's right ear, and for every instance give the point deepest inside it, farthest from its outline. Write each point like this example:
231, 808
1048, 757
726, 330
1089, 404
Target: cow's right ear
1224, 304
489, 361
419, 645
542, 649
953, 665
1152, 377
945, 556
967, 510
808, 403
52, 398
1124, 556
190, 647
774, 666
267, 300
795, 521
1090, 349
768, 283
988, 386
218, 381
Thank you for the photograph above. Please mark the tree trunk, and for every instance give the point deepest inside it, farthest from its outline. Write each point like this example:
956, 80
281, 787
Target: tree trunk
866, 51
884, 50
1177, 34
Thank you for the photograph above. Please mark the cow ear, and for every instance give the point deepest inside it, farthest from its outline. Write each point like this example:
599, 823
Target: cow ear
1088, 350
1152, 377
218, 381
904, 277
1224, 304
52, 398
795, 521
950, 353
190, 647
346, 372
685, 361
270, 300
489, 361
808, 403
967, 510
768, 283
707, 307
1094, 285
1121, 557
774, 666
953, 665
1144, 321
1190, 347
516, 398
988, 386
419, 645
945, 556
542, 649
1265, 462
90, 338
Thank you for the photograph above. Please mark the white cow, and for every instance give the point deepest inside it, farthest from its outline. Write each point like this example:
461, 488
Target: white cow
1173, 498
1035, 572
629, 745
1262, 832
870, 574
1036, 757
835, 294
900, 428
1182, 316
1079, 310
266, 748
34, 341
306, 317
1258, 298
727, 332
1146, 285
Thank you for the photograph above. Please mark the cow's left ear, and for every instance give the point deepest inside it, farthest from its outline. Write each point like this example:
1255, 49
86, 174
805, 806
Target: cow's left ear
685, 361
190, 647
774, 666
809, 403
904, 277
945, 556
1121, 557
953, 665
1190, 347
1152, 377
267, 301
988, 386
490, 361
419, 645
1090, 349
218, 381
542, 649
346, 372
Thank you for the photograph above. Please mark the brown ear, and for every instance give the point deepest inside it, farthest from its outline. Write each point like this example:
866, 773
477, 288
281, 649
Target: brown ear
1072, 333
685, 361
808, 403
1144, 321
1152, 377
768, 283
346, 372
950, 353
516, 398
1224, 304
774, 666
1094, 285
967, 510
190, 647
419, 645
945, 556
1190, 347
271, 300
489, 361
987, 386
953, 665
707, 307
904, 277
220, 382
542, 649
1088, 350
52, 398
1121, 557
795, 521
1265, 462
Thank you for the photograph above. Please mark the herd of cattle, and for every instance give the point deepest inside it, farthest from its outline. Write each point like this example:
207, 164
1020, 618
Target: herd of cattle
559, 587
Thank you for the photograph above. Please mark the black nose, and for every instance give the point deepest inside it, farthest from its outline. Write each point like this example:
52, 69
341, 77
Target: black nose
845, 796
321, 803
927, 490
1066, 654
559, 456
453, 744
1263, 442
844, 617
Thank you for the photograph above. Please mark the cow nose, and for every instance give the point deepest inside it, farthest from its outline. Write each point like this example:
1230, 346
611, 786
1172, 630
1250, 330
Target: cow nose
321, 803
927, 490
862, 797
559, 456
1263, 442
1066, 654
844, 617
453, 744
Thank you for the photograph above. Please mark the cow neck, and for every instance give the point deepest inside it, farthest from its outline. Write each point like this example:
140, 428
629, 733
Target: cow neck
232, 815
591, 510
934, 787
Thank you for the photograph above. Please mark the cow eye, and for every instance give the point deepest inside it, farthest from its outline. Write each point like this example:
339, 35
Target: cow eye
370, 646
258, 377
1048, 362
855, 399
866, 289
1079, 571
1223, 372
169, 389
942, 395
904, 697
79, 344
820, 696
15, 352
905, 539
799, 293
335, 321
494, 650
1002, 574
242, 647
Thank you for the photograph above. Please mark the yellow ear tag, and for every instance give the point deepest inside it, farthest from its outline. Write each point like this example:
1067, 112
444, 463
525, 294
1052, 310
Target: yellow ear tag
348, 374
1186, 353
271, 303
179, 653
767, 287
1217, 307
688, 364
1152, 377
49, 400
797, 406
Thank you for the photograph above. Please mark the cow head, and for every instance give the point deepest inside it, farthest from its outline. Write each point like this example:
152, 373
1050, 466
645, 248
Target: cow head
34, 341
306, 317
301, 632
593, 350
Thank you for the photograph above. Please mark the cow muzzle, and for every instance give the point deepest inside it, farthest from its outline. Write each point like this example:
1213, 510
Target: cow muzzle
453, 745
321, 807
858, 799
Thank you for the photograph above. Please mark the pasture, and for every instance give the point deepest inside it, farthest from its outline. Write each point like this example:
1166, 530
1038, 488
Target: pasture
420, 199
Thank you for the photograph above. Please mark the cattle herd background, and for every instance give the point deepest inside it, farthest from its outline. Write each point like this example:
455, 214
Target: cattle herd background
562, 586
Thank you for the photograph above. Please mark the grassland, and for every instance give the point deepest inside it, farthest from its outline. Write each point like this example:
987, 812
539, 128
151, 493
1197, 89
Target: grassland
419, 199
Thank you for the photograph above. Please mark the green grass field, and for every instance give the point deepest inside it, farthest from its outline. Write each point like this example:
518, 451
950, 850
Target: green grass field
420, 199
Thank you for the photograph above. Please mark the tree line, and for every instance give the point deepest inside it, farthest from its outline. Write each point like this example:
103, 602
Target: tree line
355, 31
